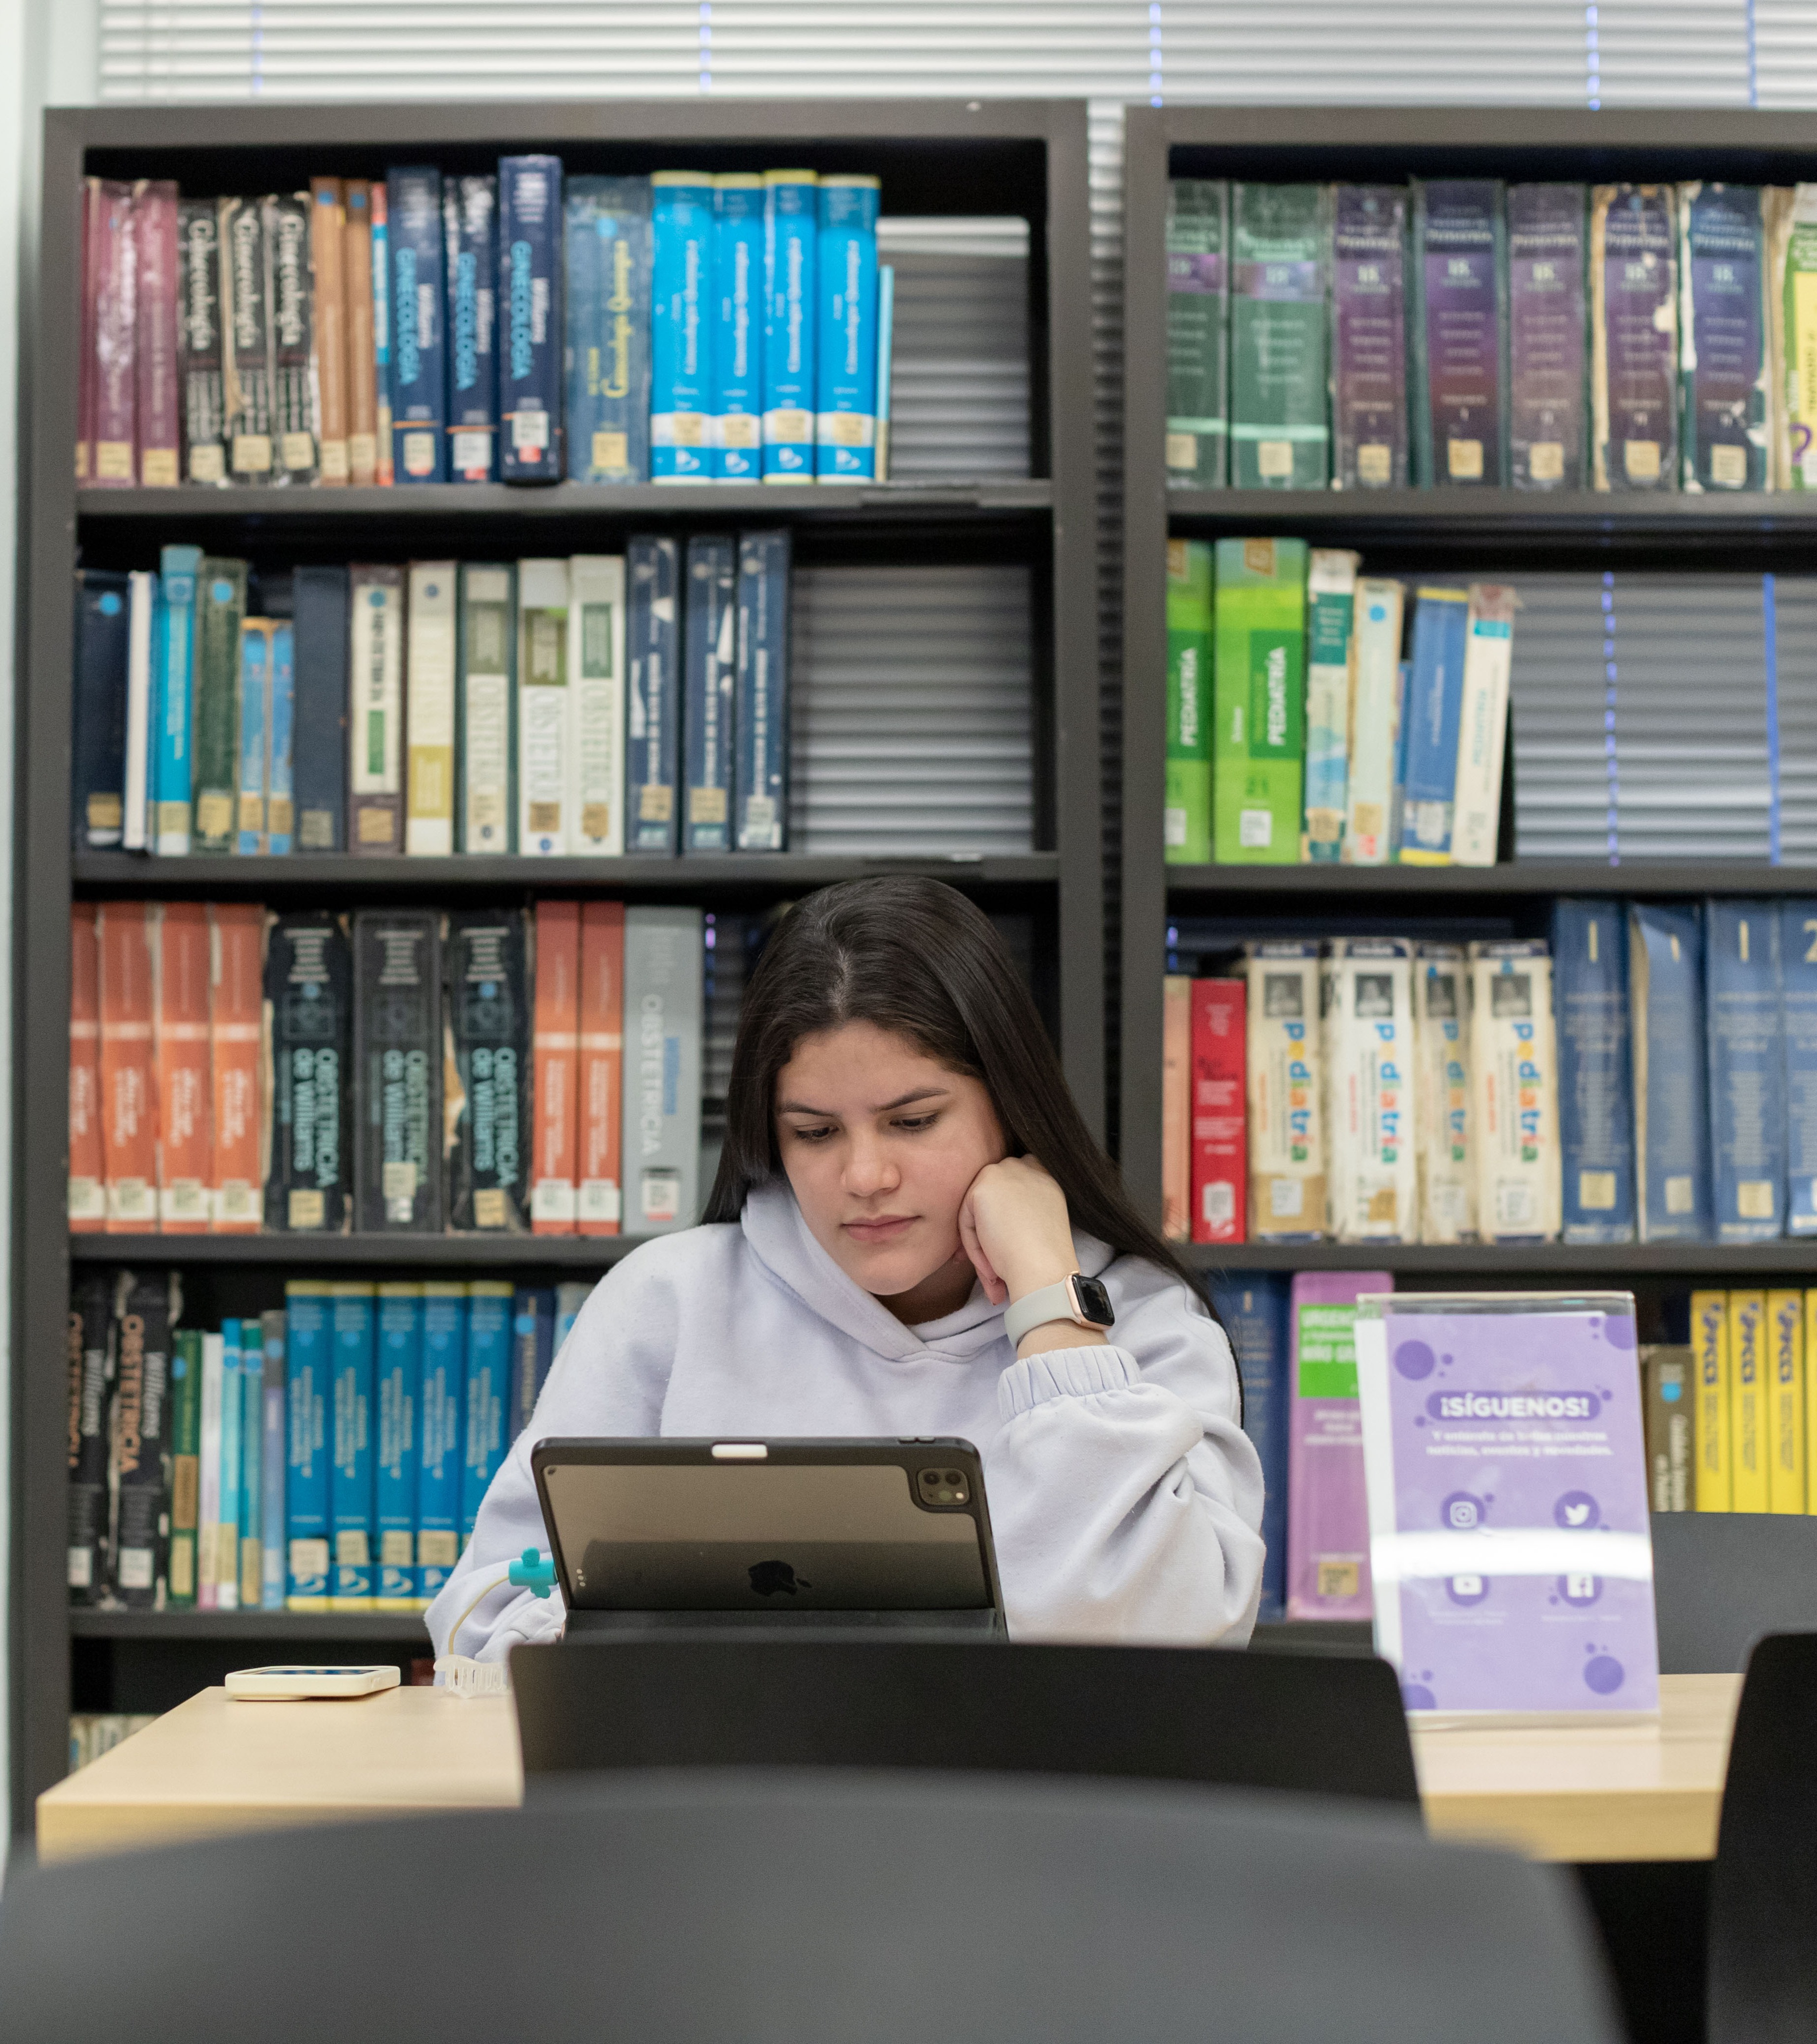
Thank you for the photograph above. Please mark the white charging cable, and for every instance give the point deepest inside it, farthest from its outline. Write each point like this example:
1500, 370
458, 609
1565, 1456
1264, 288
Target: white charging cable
534, 1571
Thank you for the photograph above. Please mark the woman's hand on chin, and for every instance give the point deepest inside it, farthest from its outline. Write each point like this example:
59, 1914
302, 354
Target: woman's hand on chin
1013, 1225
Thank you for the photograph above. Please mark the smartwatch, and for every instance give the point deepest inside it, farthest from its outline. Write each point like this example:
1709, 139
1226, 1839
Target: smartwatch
1082, 1300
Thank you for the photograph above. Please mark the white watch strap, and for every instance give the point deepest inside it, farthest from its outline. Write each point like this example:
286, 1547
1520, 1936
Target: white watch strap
1052, 1302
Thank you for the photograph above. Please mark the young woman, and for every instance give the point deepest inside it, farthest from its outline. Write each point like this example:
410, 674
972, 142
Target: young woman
905, 1190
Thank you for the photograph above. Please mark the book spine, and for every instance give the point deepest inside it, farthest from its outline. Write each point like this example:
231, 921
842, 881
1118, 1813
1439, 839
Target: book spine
736, 313
204, 407
220, 606
157, 406
1745, 1047
327, 263
308, 1309
419, 364
530, 312
115, 341
1327, 1514
321, 643
555, 1131
489, 1377
231, 1468
253, 699
129, 1095
174, 677
1482, 724
662, 990
1750, 1488
439, 1457
362, 388
1777, 203
246, 342
396, 1470
429, 710
1785, 1400
1798, 310
845, 341
287, 228
886, 348
385, 469
91, 1339
761, 717
1286, 1088
353, 1362
599, 1087
1252, 1306
1671, 1118
1634, 337
486, 1004
681, 333
1595, 1093
1669, 1383
1374, 723
280, 743
208, 1474
180, 933
1330, 616
569, 1299
607, 252
1434, 709
1220, 1139
486, 817
596, 793
1369, 337
1547, 322
1198, 324
236, 970
272, 1506
1722, 337
652, 715
1185, 813
1280, 438
91, 274
1176, 1108
469, 209
185, 1448
532, 1326
1461, 250
545, 708
141, 635
1372, 1181
1710, 1358
710, 652
790, 291
141, 1442
1259, 699
308, 1065
251, 1550
397, 1062
103, 645
375, 733
1798, 984
1514, 1071
87, 1153
1442, 1113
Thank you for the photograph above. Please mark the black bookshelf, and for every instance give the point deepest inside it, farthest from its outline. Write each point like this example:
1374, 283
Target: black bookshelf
994, 157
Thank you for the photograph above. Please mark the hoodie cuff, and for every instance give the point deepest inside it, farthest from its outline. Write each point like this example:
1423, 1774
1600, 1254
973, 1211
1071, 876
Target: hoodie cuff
1064, 1372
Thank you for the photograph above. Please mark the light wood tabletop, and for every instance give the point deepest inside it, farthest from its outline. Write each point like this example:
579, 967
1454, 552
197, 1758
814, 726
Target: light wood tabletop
213, 1765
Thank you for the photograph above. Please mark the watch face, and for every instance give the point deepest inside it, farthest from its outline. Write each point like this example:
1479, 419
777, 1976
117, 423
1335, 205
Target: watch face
1094, 1301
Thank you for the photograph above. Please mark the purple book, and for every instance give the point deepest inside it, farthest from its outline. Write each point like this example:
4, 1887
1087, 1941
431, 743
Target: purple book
1460, 257
1546, 336
1512, 1554
1369, 336
1634, 337
1328, 1506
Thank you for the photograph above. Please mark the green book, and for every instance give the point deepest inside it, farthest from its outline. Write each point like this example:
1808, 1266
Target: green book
1187, 817
1280, 246
1199, 332
185, 1463
220, 602
1259, 703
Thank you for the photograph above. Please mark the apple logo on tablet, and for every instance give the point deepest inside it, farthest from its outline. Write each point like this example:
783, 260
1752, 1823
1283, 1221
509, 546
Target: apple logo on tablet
769, 1577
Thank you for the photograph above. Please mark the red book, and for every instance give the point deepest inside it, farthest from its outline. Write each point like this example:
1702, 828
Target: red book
85, 362
555, 1165
236, 1008
88, 1164
155, 249
602, 1065
115, 340
128, 1101
1219, 1134
180, 1037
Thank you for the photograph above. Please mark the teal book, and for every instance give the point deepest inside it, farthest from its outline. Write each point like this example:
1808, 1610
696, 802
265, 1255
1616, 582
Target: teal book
172, 690
351, 1465
307, 1307
488, 1380
442, 1406
1280, 245
255, 704
272, 1509
400, 1399
233, 1472
1199, 332
251, 1548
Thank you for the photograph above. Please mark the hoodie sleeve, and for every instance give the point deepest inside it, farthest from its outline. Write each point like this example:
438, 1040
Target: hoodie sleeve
1125, 1498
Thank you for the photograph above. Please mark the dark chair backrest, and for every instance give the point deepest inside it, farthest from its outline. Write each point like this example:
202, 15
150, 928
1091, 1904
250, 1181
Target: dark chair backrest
1239, 1720
1763, 1887
818, 1909
1722, 1579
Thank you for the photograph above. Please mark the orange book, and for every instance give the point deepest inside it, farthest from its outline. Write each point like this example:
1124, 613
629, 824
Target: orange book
88, 1163
180, 1044
601, 1064
128, 1104
1176, 1108
363, 389
236, 1009
558, 1057
327, 224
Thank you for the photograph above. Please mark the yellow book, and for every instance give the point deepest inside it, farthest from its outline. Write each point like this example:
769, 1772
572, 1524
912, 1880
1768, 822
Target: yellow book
1710, 1357
1810, 1401
1749, 1490
1785, 1401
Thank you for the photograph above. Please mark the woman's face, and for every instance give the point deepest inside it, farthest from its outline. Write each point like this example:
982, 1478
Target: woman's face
881, 1144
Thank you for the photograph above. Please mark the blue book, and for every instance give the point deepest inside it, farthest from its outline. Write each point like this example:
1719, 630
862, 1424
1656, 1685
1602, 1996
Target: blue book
790, 216
737, 319
280, 757
1747, 1070
1430, 719
606, 358
681, 327
653, 699
395, 1481
469, 231
439, 1457
255, 706
845, 341
350, 1471
306, 1316
709, 652
1596, 1078
1724, 338
418, 353
173, 679
886, 354
761, 806
251, 1550
272, 1507
319, 744
98, 791
1671, 1074
532, 1350
381, 328
489, 1387
569, 1299
530, 318
1252, 1305
1396, 799
1798, 995
232, 1470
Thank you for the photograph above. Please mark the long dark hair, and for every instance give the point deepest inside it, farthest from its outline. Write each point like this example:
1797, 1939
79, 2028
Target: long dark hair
915, 956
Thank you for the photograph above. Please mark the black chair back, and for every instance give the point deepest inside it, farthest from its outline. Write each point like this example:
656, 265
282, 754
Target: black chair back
1722, 1579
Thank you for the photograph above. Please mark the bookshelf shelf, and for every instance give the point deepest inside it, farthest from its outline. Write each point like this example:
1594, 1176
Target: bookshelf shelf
392, 1252
1430, 886
1444, 514
186, 1625
1692, 1261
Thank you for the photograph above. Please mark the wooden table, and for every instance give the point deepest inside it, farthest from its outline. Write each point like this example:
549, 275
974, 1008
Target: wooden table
214, 1765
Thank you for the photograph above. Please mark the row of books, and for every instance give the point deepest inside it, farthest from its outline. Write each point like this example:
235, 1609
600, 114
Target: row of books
415, 329
1297, 731
1470, 332
1729, 1414
93, 1733
401, 1070
328, 1455
586, 707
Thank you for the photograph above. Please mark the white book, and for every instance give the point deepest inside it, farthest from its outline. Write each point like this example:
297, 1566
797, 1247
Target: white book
1331, 630
1448, 1167
595, 683
1374, 720
1482, 725
1372, 1179
1514, 1075
488, 628
429, 711
544, 716
142, 599
208, 1505
1283, 1056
